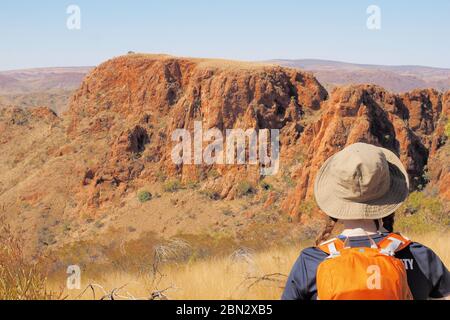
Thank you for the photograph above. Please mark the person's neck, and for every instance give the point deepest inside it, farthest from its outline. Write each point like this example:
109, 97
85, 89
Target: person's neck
359, 227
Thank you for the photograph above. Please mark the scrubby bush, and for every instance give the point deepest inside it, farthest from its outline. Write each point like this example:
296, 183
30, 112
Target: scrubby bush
245, 188
192, 185
161, 176
265, 185
227, 212
144, 196
422, 213
287, 179
307, 207
172, 186
447, 129
46, 237
99, 224
213, 174
66, 227
210, 194
20, 279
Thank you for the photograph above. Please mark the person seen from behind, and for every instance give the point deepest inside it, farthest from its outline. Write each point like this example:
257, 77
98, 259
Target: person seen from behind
362, 186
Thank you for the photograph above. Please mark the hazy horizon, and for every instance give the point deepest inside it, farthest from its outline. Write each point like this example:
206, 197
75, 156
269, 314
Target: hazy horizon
269, 60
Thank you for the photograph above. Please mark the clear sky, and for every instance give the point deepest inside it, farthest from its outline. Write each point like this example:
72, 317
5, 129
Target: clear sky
34, 33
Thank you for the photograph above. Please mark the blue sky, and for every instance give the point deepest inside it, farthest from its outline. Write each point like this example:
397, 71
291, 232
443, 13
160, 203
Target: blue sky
34, 33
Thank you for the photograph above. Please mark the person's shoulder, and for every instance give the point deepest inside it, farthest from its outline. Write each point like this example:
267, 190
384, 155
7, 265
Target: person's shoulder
417, 247
422, 254
312, 253
413, 245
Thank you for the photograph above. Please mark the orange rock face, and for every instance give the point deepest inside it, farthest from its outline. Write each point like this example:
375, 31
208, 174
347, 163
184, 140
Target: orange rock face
120, 124
439, 165
139, 101
405, 124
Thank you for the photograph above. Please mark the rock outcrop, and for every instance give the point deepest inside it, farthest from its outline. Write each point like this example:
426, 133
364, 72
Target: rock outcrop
406, 124
139, 101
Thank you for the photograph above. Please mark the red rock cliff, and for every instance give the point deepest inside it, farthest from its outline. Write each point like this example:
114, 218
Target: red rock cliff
137, 101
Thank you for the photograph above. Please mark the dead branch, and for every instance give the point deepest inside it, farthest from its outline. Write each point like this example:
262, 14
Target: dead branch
243, 254
114, 294
106, 295
174, 250
273, 277
160, 295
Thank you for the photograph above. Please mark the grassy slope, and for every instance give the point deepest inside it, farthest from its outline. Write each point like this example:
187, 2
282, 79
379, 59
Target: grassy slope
226, 278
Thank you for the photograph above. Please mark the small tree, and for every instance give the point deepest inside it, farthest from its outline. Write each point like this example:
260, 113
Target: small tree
144, 196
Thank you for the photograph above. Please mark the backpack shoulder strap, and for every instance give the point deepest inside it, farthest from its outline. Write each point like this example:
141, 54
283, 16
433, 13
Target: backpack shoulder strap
332, 247
393, 243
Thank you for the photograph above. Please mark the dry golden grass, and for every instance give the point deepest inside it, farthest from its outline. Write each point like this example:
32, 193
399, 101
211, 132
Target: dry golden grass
20, 279
216, 278
241, 277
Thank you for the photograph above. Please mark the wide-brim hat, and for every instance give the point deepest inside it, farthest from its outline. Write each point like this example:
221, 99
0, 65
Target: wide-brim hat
361, 182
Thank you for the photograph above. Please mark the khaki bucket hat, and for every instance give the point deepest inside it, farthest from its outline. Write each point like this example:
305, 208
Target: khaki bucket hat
361, 182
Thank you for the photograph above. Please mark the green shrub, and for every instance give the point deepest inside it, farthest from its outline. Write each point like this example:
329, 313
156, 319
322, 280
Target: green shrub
99, 224
210, 194
288, 180
144, 196
415, 224
418, 201
422, 213
307, 207
66, 227
192, 185
227, 212
265, 185
172, 186
161, 176
447, 129
245, 188
213, 173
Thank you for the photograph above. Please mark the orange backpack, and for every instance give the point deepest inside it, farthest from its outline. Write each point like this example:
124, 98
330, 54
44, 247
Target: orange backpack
363, 273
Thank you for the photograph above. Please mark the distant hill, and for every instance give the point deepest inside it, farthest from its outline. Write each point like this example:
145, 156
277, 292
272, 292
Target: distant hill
397, 79
55, 99
50, 87
41, 79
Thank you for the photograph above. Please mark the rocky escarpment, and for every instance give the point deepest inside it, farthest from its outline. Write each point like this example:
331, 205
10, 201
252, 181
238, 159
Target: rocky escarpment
411, 125
139, 101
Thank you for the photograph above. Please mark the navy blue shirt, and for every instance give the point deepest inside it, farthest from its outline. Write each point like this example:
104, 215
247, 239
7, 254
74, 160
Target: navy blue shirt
427, 275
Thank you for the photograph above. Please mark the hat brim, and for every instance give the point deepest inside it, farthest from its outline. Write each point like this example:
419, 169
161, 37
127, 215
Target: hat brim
342, 209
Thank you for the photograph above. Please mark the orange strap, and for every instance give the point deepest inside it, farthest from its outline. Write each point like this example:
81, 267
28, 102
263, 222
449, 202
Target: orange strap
396, 239
333, 246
